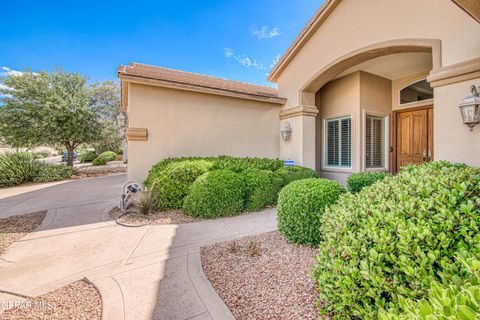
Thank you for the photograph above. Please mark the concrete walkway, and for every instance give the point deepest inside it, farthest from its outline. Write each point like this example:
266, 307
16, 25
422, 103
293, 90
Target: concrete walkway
142, 273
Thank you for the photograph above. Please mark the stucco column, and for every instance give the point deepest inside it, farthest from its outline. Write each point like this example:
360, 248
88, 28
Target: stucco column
301, 145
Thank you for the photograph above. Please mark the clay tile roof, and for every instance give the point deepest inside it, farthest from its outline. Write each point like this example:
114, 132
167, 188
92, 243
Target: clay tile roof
198, 82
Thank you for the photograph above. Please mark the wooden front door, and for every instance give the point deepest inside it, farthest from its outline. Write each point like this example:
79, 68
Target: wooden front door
414, 143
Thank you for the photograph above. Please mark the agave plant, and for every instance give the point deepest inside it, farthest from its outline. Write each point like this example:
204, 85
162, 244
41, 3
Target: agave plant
17, 168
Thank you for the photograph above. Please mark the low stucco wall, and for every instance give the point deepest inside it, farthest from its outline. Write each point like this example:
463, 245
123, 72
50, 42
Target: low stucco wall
184, 123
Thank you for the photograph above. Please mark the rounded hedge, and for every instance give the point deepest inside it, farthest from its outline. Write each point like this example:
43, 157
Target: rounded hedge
391, 241
99, 161
301, 205
215, 194
53, 172
262, 187
108, 156
17, 168
289, 174
170, 186
358, 181
87, 156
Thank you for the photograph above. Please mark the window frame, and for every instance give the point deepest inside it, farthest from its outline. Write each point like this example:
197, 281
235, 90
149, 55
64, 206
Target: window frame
325, 144
399, 104
386, 142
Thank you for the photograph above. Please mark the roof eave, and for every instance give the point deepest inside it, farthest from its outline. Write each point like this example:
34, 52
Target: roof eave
196, 88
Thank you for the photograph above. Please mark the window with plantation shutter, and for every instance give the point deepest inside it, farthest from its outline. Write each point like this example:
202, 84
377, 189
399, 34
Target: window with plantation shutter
374, 142
338, 142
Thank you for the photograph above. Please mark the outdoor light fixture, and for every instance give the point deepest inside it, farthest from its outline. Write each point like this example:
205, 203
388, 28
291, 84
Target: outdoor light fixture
286, 131
470, 109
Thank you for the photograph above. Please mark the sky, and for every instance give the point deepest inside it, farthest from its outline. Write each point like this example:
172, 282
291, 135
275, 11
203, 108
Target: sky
237, 40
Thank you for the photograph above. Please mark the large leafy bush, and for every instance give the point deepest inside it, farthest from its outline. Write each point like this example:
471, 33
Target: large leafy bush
358, 181
392, 240
52, 172
99, 161
17, 168
289, 174
301, 205
108, 156
170, 186
216, 193
262, 187
459, 300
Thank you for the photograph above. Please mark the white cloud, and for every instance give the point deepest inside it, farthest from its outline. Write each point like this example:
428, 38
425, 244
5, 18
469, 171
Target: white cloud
266, 32
274, 61
9, 72
228, 52
243, 59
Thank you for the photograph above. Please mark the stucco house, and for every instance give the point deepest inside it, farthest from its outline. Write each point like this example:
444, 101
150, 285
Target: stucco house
367, 85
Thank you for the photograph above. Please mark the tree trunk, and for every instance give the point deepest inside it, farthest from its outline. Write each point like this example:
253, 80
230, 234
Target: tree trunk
70, 151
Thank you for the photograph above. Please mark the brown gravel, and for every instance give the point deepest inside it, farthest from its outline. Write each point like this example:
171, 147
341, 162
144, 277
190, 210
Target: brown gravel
165, 217
78, 300
263, 277
15, 227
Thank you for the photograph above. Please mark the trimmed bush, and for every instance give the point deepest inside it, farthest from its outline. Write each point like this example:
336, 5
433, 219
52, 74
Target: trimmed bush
358, 181
51, 172
170, 186
108, 156
289, 174
391, 241
242, 164
99, 161
17, 168
301, 205
262, 187
216, 193
87, 156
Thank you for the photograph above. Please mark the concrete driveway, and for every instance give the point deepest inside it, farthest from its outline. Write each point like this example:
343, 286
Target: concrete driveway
142, 273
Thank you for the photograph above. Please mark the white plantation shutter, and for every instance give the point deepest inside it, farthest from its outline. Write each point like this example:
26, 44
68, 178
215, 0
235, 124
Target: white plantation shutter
374, 142
346, 142
338, 142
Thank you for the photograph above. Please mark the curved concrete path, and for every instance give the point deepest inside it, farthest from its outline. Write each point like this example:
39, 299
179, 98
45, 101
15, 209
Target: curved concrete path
142, 273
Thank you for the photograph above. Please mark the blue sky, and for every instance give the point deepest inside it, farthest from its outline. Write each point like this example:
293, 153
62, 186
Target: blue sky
230, 39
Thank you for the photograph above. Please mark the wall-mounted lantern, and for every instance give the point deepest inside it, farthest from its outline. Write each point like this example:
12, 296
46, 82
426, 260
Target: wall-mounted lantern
286, 131
470, 109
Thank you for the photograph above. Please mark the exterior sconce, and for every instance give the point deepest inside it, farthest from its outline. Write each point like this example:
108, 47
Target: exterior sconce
286, 131
470, 109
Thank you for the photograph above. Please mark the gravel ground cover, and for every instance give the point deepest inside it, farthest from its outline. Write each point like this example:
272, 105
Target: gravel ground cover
165, 217
15, 227
78, 300
263, 277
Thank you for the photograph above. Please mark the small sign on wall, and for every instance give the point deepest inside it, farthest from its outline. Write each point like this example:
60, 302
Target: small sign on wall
288, 163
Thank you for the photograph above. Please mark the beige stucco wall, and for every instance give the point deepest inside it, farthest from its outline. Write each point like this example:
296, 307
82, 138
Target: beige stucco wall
452, 139
183, 123
354, 95
359, 24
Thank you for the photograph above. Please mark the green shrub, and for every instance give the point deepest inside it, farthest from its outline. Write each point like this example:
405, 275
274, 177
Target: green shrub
262, 187
52, 172
391, 241
460, 300
108, 156
301, 205
215, 194
170, 186
242, 164
87, 156
99, 161
17, 168
358, 181
289, 174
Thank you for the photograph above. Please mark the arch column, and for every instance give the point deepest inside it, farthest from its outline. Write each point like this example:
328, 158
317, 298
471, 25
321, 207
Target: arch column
301, 145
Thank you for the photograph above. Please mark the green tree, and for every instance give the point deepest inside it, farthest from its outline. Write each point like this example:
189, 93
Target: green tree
105, 101
47, 108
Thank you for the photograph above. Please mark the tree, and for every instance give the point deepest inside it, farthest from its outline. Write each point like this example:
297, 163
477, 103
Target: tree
105, 101
47, 108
